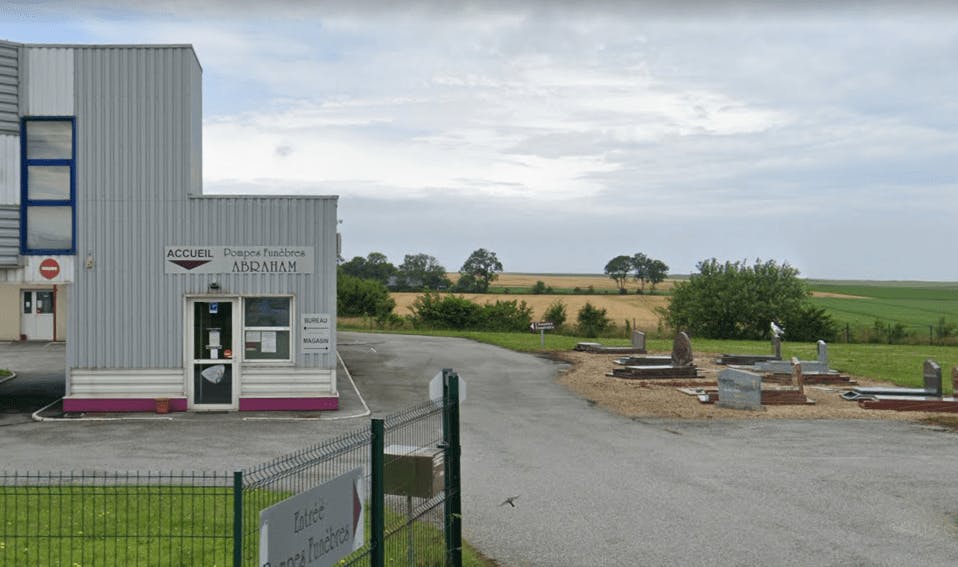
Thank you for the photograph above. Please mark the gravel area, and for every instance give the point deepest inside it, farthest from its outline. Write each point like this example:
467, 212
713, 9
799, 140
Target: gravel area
662, 398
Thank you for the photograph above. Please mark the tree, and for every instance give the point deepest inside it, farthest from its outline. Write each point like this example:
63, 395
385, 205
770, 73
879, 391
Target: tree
483, 266
656, 272
618, 269
421, 271
640, 266
375, 266
735, 300
356, 297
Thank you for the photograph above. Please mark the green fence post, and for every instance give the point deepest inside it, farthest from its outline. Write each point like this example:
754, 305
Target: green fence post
238, 519
377, 551
450, 391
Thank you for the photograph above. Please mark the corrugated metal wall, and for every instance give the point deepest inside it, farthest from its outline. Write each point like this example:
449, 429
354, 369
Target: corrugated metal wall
9, 88
49, 82
136, 114
9, 236
9, 170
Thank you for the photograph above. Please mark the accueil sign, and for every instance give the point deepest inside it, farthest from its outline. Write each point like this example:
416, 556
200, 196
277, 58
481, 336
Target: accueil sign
238, 259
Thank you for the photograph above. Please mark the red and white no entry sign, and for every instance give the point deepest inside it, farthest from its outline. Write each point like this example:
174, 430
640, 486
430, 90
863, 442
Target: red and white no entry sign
49, 268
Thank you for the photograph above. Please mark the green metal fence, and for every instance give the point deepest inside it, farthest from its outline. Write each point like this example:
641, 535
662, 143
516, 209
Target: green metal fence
410, 463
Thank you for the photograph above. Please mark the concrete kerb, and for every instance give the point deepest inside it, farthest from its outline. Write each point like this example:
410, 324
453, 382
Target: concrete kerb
8, 378
38, 417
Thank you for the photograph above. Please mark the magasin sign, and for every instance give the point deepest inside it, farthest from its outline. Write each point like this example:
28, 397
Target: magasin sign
238, 259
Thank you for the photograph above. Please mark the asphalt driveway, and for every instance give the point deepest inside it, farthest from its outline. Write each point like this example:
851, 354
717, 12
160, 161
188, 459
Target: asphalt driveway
593, 488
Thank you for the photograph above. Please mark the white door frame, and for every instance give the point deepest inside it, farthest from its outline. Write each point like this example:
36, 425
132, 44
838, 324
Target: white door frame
188, 355
38, 326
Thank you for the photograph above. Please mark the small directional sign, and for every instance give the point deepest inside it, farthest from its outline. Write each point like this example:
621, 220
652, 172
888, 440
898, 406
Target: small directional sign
543, 326
317, 336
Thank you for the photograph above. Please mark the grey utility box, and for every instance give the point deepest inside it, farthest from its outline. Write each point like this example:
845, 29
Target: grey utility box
413, 471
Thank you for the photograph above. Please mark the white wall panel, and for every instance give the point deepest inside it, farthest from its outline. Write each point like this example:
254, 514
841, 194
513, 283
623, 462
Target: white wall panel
9, 88
30, 272
9, 170
285, 382
49, 81
152, 383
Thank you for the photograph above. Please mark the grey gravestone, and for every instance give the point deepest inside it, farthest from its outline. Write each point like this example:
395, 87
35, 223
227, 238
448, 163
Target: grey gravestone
777, 346
932, 376
638, 340
823, 353
681, 350
739, 389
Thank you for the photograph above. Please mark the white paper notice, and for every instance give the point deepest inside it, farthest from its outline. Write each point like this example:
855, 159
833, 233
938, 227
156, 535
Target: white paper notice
269, 342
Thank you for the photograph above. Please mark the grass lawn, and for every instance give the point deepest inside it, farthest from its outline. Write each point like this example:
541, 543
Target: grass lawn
183, 526
4, 372
916, 305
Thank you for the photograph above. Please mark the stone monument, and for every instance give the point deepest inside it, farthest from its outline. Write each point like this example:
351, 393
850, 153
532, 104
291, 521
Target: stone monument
739, 389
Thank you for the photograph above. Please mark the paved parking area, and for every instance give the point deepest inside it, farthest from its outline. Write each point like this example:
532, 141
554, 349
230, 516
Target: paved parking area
594, 488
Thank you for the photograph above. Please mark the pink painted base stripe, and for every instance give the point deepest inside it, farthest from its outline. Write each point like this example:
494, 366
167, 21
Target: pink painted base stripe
109, 405
288, 404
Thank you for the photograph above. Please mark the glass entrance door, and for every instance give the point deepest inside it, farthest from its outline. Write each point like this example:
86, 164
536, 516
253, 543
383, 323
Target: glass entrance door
36, 318
214, 371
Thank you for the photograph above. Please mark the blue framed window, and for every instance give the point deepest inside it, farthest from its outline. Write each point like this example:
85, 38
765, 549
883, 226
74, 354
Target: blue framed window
48, 186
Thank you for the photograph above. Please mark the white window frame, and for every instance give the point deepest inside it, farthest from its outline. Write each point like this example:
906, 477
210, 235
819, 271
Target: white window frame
291, 360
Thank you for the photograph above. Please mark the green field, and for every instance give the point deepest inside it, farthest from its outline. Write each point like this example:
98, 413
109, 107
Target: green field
915, 305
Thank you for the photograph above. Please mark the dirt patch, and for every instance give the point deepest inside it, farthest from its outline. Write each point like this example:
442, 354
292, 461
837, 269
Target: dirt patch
837, 295
661, 398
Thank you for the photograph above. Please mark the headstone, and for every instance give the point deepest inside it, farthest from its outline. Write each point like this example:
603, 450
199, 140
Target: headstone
932, 376
739, 389
798, 379
777, 346
681, 350
638, 340
823, 353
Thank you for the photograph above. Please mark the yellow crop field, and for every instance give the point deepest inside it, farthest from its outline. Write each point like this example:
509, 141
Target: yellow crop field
565, 281
639, 309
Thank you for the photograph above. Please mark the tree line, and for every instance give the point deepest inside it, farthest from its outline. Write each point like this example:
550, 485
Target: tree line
723, 300
422, 272
639, 267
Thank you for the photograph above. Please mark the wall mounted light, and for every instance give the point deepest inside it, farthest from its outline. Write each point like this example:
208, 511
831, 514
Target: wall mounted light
214, 286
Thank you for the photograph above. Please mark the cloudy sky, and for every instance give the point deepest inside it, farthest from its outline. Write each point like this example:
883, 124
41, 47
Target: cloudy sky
560, 135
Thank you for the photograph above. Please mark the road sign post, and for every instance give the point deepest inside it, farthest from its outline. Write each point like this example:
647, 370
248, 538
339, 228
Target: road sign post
542, 327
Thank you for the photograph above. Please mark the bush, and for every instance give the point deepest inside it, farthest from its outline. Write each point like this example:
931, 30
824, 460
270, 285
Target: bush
556, 312
356, 297
738, 301
810, 323
592, 320
505, 316
432, 310
539, 288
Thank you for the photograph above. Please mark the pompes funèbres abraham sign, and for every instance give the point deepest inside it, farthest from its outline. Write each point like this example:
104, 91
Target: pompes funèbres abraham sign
238, 259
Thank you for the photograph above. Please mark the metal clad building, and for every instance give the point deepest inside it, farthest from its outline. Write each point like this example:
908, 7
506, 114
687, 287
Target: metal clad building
176, 298
9, 88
